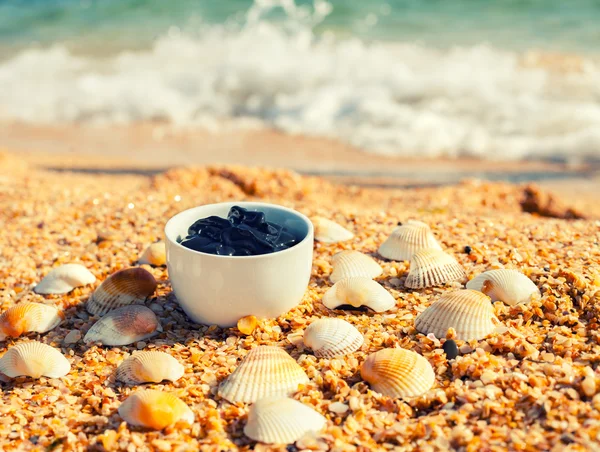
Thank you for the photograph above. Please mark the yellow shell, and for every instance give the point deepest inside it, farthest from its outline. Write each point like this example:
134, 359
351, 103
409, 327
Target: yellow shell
154, 409
432, 267
34, 359
155, 254
328, 231
510, 286
247, 325
350, 263
64, 279
406, 240
149, 367
359, 291
330, 337
124, 326
29, 317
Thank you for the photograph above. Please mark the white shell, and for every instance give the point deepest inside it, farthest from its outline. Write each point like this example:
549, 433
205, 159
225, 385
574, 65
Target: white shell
123, 326
406, 240
149, 367
510, 286
34, 359
353, 263
359, 291
432, 267
328, 231
64, 279
29, 317
330, 337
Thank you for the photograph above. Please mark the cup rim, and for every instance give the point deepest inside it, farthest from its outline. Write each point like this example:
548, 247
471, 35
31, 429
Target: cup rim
293, 212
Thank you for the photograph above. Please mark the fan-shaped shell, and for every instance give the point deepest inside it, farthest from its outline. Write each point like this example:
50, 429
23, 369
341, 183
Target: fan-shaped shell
406, 240
131, 285
350, 263
432, 267
281, 420
328, 231
359, 291
34, 359
510, 286
154, 409
149, 367
265, 371
29, 317
469, 312
330, 337
64, 279
396, 372
124, 326
155, 254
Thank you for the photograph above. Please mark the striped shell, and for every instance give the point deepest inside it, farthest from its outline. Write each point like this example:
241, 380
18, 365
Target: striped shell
265, 371
131, 285
406, 240
124, 326
149, 367
353, 263
28, 318
396, 372
281, 420
64, 279
328, 231
34, 359
359, 291
469, 312
155, 254
510, 286
154, 409
431, 267
329, 337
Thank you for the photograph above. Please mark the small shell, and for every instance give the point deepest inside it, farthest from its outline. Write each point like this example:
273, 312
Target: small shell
154, 409
155, 254
468, 312
431, 267
122, 288
510, 286
34, 359
328, 231
29, 317
406, 240
359, 291
396, 372
64, 279
265, 371
124, 326
353, 263
247, 325
330, 337
149, 367
281, 420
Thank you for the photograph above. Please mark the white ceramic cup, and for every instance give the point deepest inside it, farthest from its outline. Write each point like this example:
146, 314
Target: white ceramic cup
220, 290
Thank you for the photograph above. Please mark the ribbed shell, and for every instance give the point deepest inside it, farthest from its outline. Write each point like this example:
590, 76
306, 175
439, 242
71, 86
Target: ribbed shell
330, 337
396, 372
29, 317
510, 286
265, 371
281, 420
469, 312
359, 291
131, 285
124, 326
328, 231
350, 263
64, 279
149, 367
34, 359
432, 267
154, 409
406, 240
155, 254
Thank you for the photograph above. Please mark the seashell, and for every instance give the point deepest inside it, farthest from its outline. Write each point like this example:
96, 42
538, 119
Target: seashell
265, 371
396, 372
468, 312
406, 240
149, 367
29, 318
350, 263
359, 291
329, 338
154, 409
124, 326
64, 279
122, 288
328, 231
247, 325
155, 254
510, 286
34, 359
281, 420
432, 267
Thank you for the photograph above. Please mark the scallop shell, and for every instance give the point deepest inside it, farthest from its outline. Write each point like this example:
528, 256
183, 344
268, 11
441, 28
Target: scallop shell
328, 231
353, 263
265, 371
34, 359
431, 267
329, 338
406, 240
281, 420
510, 286
469, 312
154, 409
64, 279
359, 291
124, 326
122, 288
29, 317
149, 367
396, 372
155, 254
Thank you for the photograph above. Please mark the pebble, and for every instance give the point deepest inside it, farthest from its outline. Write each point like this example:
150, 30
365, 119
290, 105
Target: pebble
450, 348
72, 337
338, 407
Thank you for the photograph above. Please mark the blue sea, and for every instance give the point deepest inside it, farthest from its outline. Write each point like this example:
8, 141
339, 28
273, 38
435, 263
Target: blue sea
495, 79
